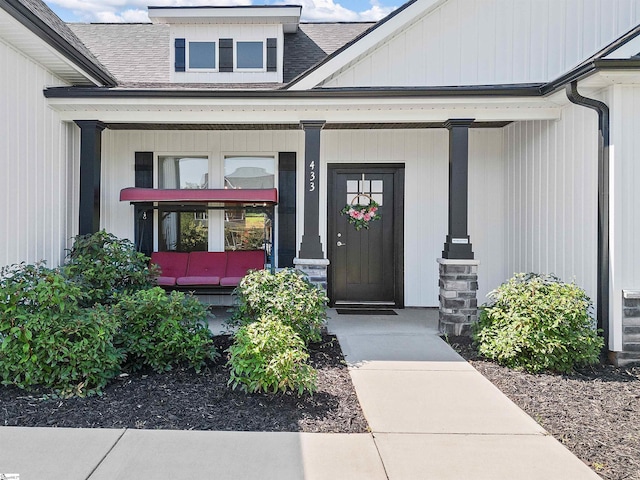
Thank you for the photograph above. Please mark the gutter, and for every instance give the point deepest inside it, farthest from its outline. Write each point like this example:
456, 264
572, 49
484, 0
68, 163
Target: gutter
507, 90
602, 313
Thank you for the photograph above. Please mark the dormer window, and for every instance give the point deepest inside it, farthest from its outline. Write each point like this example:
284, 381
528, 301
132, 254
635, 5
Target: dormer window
250, 55
243, 44
202, 55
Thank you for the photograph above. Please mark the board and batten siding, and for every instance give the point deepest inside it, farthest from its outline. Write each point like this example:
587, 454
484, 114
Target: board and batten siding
38, 158
551, 207
483, 42
624, 102
424, 153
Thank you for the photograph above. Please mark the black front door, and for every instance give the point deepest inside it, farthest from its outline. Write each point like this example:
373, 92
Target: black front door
366, 265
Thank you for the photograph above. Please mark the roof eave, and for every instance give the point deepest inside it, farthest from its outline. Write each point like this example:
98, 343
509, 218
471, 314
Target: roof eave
23, 15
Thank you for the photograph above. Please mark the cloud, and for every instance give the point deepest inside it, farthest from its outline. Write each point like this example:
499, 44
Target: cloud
136, 10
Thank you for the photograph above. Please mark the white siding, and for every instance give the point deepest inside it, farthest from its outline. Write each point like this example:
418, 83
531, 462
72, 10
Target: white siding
624, 102
552, 197
36, 184
424, 153
481, 42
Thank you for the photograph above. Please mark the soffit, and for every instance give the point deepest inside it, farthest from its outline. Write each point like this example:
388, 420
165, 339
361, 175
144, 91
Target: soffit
16, 34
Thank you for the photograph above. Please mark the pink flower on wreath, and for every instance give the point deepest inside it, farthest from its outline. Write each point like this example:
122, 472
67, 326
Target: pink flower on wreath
367, 217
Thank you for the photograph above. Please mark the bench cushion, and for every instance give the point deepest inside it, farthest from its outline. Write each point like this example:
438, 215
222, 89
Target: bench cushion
207, 264
239, 262
166, 281
172, 265
230, 281
197, 280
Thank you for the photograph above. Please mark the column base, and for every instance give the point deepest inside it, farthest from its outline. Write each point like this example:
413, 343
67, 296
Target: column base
315, 269
458, 298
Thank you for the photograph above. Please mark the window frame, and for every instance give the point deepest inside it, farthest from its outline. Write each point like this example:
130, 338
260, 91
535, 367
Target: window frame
236, 52
216, 49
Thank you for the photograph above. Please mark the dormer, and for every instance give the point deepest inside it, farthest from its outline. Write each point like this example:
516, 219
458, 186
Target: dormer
243, 44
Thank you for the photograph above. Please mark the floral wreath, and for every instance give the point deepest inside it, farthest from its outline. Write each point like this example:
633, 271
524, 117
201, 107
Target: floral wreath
361, 215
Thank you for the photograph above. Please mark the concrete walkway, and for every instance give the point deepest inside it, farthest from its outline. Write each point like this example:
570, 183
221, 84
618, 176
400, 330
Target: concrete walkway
431, 414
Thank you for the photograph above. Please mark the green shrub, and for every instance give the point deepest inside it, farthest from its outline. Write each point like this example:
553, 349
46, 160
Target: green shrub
287, 295
268, 355
47, 340
36, 288
537, 322
105, 266
160, 330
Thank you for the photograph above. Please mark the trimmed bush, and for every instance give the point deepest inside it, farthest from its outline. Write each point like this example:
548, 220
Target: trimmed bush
105, 266
47, 340
269, 356
287, 295
536, 322
160, 330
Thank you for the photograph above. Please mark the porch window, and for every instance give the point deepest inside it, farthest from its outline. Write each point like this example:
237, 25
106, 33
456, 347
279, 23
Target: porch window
248, 229
183, 231
180, 230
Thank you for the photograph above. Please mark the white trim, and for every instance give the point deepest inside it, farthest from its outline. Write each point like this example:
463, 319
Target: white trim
235, 55
187, 62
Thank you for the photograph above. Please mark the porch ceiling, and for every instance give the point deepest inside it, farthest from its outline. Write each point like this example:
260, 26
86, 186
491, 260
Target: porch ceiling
280, 111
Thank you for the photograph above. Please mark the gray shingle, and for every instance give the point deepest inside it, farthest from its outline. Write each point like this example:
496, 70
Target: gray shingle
313, 42
133, 52
138, 54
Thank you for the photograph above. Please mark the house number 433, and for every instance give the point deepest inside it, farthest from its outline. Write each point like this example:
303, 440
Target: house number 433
312, 176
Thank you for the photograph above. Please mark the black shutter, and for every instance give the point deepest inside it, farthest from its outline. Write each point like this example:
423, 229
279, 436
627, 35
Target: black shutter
143, 222
180, 55
272, 54
226, 55
286, 209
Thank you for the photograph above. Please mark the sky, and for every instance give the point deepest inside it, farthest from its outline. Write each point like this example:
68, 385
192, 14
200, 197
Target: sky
136, 10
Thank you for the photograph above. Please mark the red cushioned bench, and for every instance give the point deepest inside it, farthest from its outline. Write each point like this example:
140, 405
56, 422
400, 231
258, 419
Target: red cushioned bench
203, 270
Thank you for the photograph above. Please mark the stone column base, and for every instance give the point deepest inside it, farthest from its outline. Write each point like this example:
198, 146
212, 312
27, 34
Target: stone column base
458, 300
315, 269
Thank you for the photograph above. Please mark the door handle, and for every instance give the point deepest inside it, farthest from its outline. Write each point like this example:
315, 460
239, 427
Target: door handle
340, 244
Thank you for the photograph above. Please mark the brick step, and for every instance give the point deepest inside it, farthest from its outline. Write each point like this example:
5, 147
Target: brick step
631, 347
631, 322
625, 359
631, 330
631, 338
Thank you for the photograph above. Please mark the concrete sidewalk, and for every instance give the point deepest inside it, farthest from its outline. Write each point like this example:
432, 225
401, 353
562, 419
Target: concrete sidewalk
431, 414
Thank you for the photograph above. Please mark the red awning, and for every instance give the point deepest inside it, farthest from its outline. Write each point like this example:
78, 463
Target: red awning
235, 197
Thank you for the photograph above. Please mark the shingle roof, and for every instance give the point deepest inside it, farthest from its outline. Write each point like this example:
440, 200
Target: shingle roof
133, 52
138, 54
313, 42
44, 19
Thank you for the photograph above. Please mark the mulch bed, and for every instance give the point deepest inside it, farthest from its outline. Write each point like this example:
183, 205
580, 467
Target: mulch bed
594, 412
182, 399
